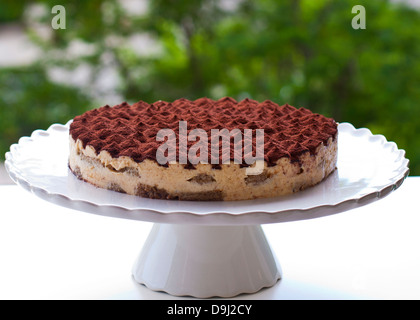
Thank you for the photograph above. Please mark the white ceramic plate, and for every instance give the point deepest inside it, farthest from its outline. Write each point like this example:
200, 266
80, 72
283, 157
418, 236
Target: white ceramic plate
369, 168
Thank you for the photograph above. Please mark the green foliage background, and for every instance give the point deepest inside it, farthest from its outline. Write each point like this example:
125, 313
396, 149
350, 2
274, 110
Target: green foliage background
301, 52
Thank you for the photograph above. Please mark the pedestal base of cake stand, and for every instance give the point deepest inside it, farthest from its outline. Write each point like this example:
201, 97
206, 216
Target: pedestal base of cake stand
206, 261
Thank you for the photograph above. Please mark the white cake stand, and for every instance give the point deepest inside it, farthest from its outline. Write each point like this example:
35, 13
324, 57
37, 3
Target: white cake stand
207, 249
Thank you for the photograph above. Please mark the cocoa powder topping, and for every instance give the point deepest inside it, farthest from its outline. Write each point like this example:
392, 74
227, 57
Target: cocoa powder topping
130, 130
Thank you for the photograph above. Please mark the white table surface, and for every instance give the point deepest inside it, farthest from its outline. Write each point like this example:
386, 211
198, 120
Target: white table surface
51, 252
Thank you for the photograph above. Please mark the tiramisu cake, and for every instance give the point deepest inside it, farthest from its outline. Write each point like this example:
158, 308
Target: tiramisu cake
203, 149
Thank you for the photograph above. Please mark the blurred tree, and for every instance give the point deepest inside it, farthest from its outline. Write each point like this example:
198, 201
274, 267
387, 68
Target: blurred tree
11, 11
302, 52
22, 111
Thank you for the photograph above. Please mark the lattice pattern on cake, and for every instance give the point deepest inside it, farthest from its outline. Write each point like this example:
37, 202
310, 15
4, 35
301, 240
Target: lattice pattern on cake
130, 130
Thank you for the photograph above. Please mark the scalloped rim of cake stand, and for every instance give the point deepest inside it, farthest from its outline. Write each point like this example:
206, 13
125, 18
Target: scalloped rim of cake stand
369, 167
